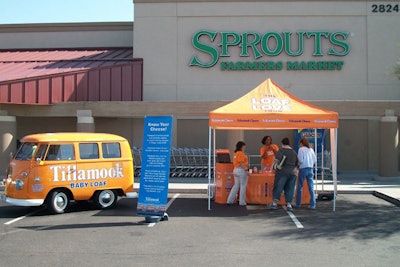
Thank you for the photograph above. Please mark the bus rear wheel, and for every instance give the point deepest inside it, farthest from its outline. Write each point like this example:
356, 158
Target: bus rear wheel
58, 202
105, 199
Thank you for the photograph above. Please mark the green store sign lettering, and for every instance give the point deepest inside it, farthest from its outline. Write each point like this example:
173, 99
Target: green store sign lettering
270, 44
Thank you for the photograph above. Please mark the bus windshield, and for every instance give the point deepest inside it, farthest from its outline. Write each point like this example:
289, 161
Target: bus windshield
26, 151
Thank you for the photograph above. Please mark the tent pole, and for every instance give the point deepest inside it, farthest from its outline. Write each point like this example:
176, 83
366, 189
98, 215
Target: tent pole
316, 165
214, 156
334, 163
322, 167
209, 168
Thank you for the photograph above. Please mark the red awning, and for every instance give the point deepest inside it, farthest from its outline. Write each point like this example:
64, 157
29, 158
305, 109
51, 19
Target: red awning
64, 75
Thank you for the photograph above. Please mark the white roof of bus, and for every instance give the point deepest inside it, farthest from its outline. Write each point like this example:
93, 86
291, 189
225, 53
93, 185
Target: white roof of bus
71, 136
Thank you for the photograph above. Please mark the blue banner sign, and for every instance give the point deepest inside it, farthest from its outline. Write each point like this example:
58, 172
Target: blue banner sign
310, 135
154, 176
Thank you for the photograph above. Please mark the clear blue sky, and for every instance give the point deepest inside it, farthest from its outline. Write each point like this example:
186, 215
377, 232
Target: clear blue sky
59, 11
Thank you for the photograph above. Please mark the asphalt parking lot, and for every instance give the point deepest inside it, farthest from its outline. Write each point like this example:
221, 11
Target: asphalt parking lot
363, 231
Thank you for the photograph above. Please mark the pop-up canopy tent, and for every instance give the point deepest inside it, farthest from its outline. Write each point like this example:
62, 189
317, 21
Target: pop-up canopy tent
268, 106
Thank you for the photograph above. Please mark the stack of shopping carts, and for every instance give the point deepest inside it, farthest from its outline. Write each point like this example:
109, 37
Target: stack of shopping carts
184, 162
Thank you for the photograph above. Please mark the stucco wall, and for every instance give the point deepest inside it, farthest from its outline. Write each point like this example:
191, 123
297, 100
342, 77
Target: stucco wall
358, 132
162, 37
164, 31
66, 35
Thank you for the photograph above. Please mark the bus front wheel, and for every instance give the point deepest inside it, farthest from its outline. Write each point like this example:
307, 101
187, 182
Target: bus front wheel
58, 202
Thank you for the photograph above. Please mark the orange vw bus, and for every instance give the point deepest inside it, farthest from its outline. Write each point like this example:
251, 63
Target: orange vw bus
54, 169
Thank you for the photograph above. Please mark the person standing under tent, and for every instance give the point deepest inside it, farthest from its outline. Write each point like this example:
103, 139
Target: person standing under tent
267, 153
240, 173
285, 175
307, 160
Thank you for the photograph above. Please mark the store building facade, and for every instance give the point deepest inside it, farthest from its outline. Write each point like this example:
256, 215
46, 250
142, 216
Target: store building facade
200, 55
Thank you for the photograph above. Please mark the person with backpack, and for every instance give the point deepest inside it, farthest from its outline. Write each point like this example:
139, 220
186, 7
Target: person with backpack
285, 175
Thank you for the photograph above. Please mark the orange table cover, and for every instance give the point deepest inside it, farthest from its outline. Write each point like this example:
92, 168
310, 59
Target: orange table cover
259, 186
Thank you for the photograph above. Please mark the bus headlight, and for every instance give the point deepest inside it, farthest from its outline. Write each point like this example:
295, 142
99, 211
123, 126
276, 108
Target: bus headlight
19, 184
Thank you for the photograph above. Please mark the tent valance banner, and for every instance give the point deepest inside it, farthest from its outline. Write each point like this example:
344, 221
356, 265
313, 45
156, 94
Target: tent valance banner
268, 106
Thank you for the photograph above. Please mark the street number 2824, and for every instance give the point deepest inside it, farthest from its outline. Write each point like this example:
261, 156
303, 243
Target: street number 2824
388, 8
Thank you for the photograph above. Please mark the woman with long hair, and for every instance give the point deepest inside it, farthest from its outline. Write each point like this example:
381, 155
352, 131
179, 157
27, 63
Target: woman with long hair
240, 173
307, 160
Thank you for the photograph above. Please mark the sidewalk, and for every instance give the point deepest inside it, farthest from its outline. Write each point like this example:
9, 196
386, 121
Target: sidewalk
387, 188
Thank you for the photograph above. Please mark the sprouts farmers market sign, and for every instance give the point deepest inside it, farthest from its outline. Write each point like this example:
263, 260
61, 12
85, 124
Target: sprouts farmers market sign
270, 44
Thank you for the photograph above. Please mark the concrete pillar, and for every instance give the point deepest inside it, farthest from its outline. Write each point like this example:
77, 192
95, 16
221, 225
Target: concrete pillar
138, 130
8, 141
85, 122
388, 145
373, 145
174, 140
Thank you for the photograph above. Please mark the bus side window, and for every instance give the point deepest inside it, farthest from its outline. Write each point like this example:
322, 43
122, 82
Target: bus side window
88, 151
67, 152
52, 153
111, 150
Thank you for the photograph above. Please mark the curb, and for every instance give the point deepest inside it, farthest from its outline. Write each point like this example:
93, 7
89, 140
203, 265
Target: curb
170, 190
205, 191
387, 198
386, 179
355, 192
187, 191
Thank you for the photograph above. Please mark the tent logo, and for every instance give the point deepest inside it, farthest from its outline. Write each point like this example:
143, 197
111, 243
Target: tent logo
270, 104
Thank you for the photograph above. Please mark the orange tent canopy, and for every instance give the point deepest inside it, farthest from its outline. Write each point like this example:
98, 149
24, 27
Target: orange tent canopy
270, 106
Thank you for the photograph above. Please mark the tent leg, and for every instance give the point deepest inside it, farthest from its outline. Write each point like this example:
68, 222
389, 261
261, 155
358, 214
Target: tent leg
334, 164
209, 168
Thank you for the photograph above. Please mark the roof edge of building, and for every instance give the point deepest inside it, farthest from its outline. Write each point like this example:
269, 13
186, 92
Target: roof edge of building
66, 27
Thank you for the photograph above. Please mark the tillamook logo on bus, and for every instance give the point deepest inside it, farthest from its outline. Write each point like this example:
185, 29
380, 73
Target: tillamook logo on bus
66, 173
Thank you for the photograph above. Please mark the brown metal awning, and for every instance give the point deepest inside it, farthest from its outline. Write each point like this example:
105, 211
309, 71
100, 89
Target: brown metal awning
70, 75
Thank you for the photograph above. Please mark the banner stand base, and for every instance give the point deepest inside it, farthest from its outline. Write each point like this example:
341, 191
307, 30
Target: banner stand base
155, 219
165, 217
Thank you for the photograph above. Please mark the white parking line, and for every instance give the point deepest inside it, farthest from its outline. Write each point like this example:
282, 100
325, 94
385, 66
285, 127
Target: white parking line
172, 200
168, 204
12, 232
22, 217
294, 219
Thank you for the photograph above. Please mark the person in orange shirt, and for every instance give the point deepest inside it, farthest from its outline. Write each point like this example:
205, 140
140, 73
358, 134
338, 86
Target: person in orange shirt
267, 153
240, 173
